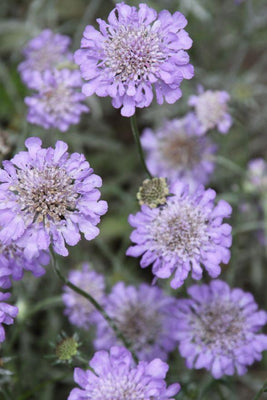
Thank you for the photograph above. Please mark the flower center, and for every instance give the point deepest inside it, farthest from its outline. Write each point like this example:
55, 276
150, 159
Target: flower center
180, 228
133, 52
118, 388
219, 326
58, 100
209, 109
139, 325
180, 150
47, 194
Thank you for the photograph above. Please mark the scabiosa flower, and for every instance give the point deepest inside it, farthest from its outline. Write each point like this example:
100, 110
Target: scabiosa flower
145, 317
46, 51
7, 314
257, 175
116, 377
182, 234
134, 52
211, 111
80, 312
47, 196
218, 329
13, 259
176, 151
58, 101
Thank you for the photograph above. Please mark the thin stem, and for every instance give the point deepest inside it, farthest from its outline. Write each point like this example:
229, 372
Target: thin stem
139, 146
262, 390
225, 162
248, 227
99, 308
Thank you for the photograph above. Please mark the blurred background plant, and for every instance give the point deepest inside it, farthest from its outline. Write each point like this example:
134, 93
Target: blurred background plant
229, 53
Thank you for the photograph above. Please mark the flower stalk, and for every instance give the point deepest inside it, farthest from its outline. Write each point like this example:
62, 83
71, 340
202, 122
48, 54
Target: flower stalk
138, 143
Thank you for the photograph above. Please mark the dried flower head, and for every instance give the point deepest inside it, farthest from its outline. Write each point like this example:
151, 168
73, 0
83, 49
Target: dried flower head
48, 196
115, 377
135, 51
153, 192
182, 234
218, 329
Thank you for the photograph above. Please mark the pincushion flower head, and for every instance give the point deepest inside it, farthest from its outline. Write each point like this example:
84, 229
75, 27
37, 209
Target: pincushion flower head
58, 101
218, 329
144, 315
46, 51
135, 51
79, 310
176, 151
211, 111
47, 196
14, 261
257, 176
182, 235
116, 377
7, 314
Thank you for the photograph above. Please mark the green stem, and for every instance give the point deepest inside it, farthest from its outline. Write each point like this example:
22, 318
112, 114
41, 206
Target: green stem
261, 391
139, 146
225, 162
99, 308
248, 227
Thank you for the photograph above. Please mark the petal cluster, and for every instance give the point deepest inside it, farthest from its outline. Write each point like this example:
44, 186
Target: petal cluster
79, 310
176, 151
7, 314
218, 329
115, 377
182, 235
135, 52
57, 102
145, 316
47, 196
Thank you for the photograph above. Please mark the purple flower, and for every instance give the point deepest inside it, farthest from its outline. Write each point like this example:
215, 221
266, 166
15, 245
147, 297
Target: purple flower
58, 102
45, 51
80, 312
135, 51
257, 175
145, 317
7, 314
176, 151
218, 329
116, 377
14, 262
46, 197
183, 234
211, 111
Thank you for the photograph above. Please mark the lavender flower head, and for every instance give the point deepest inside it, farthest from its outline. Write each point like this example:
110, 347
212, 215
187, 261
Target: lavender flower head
116, 377
45, 51
211, 111
80, 312
183, 234
14, 261
46, 197
7, 314
58, 101
257, 175
145, 317
176, 151
218, 329
135, 51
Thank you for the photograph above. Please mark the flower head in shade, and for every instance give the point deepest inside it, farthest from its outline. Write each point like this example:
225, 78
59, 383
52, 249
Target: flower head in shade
218, 329
145, 317
58, 101
185, 233
211, 111
116, 377
257, 175
47, 196
45, 51
7, 314
176, 151
79, 310
13, 259
136, 51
